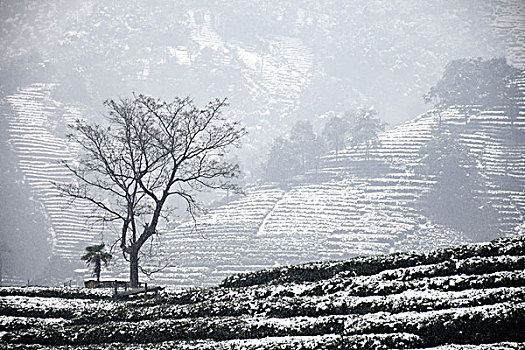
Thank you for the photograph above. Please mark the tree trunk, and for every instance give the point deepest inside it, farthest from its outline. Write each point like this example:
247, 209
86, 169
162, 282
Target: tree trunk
134, 267
135, 247
97, 271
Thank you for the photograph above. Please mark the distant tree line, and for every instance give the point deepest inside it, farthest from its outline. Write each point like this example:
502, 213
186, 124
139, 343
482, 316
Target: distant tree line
301, 150
475, 82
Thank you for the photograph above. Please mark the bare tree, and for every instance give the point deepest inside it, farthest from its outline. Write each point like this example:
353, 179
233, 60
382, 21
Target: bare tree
150, 151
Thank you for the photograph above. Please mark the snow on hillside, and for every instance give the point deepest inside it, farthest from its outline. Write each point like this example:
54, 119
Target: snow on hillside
350, 207
277, 63
37, 131
353, 207
510, 23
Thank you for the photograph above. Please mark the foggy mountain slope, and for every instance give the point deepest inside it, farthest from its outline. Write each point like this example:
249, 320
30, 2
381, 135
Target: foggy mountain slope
25, 244
356, 207
509, 22
277, 63
349, 207
469, 296
285, 61
37, 128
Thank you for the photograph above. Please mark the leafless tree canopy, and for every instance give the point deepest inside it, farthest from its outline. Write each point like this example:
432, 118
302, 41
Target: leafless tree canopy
151, 150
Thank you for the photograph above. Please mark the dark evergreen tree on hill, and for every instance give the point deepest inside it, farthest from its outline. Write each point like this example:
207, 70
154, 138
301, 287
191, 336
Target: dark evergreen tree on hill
468, 82
282, 162
294, 155
318, 150
458, 198
306, 144
365, 128
96, 255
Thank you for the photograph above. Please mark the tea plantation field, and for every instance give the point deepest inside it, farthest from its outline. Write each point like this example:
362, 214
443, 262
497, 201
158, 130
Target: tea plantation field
467, 297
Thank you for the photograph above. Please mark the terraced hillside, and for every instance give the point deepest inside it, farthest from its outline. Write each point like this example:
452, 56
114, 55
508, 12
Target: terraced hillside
349, 207
37, 131
470, 295
352, 206
277, 62
510, 23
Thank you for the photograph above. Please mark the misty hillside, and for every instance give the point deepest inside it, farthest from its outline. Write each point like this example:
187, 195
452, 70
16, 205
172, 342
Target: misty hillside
355, 207
473, 294
349, 206
278, 63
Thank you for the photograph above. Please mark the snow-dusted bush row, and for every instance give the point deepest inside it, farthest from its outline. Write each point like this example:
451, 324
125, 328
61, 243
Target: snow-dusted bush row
482, 324
374, 285
50, 307
374, 264
57, 292
13, 323
341, 303
217, 328
474, 325
491, 346
340, 295
323, 342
